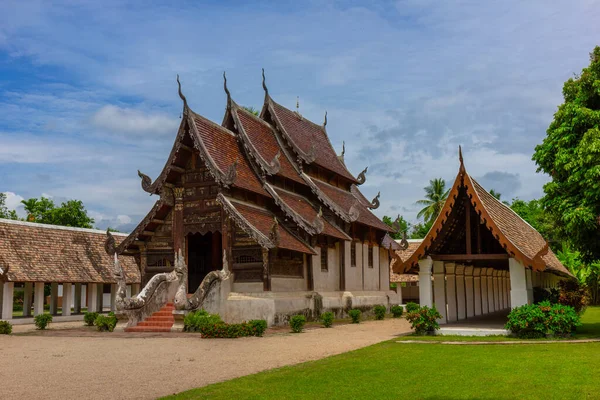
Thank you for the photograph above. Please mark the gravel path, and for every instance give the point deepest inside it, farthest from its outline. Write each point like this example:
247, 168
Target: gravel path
134, 366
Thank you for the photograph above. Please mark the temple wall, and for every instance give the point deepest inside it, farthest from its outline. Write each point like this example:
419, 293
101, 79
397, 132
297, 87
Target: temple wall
384, 269
330, 279
354, 274
371, 281
247, 287
279, 284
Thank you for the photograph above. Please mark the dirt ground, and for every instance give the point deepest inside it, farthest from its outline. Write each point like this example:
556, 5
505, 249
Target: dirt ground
72, 362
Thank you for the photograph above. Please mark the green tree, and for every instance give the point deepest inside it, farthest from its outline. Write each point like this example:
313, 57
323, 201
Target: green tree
534, 214
435, 197
403, 226
497, 195
419, 230
70, 213
570, 154
251, 110
4, 211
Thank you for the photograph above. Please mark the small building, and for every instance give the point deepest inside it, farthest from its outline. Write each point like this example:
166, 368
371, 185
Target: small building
72, 261
479, 257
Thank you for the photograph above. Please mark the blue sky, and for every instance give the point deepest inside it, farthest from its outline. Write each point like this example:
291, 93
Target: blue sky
88, 92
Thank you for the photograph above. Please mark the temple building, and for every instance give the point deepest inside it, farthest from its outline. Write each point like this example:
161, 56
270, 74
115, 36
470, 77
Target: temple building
267, 199
479, 257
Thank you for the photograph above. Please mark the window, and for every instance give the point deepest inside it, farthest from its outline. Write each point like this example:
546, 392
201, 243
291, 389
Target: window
324, 258
370, 256
353, 254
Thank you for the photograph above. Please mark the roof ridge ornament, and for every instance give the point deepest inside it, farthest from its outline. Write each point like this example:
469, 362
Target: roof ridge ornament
4, 273
354, 211
231, 174
146, 182
361, 178
375, 202
397, 227
226, 89
110, 246
275, 163
325, 121
264, 84
460, 158
181, 96
318, 223
274, 233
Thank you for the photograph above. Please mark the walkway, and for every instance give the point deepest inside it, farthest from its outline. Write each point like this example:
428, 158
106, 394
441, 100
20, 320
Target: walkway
54, 365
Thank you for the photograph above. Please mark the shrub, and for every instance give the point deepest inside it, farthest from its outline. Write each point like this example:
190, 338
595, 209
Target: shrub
424, 320
327, 319
397, 311
537, 320
227, 331
542, 294
379, 312
259, 326
195, 321
42, 320
573, 294
106, 322
297, 323
412, 307
355, 315
89, 318
393, 286
5, 328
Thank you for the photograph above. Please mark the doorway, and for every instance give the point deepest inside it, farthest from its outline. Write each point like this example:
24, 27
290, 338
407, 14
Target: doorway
204, 255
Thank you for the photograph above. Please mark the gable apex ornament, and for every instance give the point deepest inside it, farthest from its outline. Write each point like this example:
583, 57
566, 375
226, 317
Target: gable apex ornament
318, 223
181, 96
231, 174
460, 158
264, 84
325, 121
146, 182
226, 89
361, 178
375, 202
110, 246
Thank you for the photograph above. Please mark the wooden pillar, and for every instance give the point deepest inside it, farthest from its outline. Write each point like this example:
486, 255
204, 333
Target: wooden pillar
27, 298
490, 283
178, 219
227, 239
113, 297
484, 292
461, 300
266, 270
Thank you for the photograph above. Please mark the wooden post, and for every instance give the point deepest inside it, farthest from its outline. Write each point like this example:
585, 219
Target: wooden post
266, 272
468, 225
178, 219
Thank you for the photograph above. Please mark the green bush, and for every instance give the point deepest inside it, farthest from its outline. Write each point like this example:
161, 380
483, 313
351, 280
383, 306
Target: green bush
42, 320
573, 294
424, 320
327, 319
355, 315
411, 307
259, 326
393, 285
195, 321
538, 320
542, 294
379, 312
297, 323
89, 318
106, 323
5, 328
397, 311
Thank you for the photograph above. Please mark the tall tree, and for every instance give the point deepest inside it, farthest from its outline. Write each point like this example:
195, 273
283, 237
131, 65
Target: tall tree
570, 154
497, 195
4, 211
435, 197
70, 213
404, 225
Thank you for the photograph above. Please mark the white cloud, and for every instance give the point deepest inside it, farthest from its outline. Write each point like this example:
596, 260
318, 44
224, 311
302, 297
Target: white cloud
13, 202
127, 120
123, 219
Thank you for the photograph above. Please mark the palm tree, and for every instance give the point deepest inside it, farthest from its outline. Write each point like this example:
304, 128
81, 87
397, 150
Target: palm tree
435, 197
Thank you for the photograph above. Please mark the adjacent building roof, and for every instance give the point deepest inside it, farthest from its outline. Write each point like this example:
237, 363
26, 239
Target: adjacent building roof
32, 252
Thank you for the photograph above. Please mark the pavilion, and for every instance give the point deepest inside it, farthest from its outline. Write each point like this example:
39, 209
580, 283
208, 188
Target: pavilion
71, 260
478, 258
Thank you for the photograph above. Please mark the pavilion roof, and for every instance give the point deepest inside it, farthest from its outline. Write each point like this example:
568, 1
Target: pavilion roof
515, 235
48, 253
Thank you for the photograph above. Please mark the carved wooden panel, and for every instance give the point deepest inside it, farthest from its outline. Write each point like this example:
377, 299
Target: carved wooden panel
241, 238
290, 267
157, 259
247, 264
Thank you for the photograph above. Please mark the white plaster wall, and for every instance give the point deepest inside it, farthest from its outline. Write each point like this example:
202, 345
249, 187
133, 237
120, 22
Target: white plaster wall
354, 274
384, 269
247, 287
287, 284
327, 280
371, 274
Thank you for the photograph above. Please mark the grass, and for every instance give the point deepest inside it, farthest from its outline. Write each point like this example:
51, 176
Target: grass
421, 371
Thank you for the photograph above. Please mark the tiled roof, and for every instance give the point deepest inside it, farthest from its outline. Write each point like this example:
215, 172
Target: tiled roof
48, 253
264, 140
303, 208
222, 147
305, 133
404, 278
346, 200
412, 246
262, 220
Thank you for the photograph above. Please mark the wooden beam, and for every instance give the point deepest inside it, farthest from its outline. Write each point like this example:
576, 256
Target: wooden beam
478, 237
184, 147
468, 225
147, 233
468, 257
177, 169
138, 243
157, 221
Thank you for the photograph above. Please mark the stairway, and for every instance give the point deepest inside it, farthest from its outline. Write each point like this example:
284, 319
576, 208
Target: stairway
160, 321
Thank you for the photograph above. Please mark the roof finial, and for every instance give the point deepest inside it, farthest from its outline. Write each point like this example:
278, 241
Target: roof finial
343, 148
264, 83
185, 106
226, 90
325, 122
460, 158
298, 104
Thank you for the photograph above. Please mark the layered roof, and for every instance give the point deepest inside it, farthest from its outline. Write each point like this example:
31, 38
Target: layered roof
34, 252
519, 239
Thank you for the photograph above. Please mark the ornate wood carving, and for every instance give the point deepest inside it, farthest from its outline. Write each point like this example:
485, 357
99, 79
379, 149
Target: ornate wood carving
375, 202
361, 178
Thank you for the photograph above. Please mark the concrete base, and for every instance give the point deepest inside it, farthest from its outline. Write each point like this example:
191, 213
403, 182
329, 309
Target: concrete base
458, 331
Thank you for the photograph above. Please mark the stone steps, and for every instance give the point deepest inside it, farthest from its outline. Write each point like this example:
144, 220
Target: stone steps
160, 321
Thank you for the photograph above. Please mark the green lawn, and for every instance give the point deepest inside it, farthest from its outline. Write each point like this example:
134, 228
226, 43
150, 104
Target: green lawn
422, 371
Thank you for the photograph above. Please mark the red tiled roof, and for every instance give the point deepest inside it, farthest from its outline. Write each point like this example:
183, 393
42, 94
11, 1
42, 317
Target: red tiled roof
346, 199
303, 208
263, 138
223, 148
48, 253
262, 220
305, 133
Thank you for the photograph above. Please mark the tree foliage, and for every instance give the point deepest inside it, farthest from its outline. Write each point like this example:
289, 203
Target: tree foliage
570, 154
4, 211
70, 213
435, 197
251, 110
403, 226
534, 214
